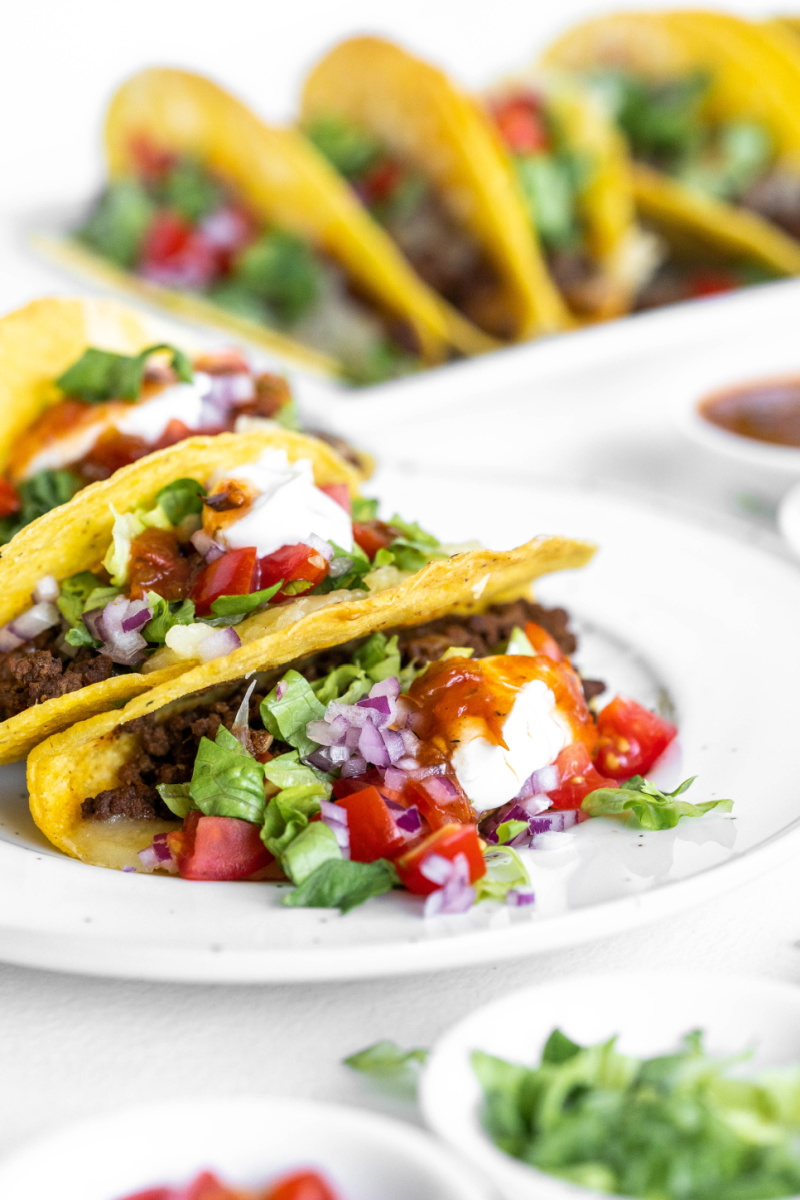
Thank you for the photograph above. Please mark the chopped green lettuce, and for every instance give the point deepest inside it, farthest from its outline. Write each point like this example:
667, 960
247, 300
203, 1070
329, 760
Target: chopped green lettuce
309, 850
677, 1127
652, 808
191, 191
286, 718
347, 147
227, 781
38, 495
549, 184
504, 872
117, 225
99, 375
351, 579
180, 499
234, 606
519, 643
166, 614
75, 591
363, 509
177, 797
281, 270
387, 1064
128, 526
339, 883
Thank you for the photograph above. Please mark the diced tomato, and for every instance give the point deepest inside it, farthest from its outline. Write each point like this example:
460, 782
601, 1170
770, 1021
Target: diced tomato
372, 536
711, 281
373, 831
9, 499
156, 564
521, 124
338, 492
174, 431
229, 575
301, 1185
542, 641
631, 738
151, 162
578, 777
174, 252
111, 451
218, 848
448, 842
440, 801
381, 181
291, 564
159, 1193
206, 1187
371, 778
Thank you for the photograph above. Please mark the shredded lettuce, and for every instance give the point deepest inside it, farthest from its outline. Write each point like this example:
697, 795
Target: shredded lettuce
235, 606
177, 797
74, 594
227, 781
313, 846
549, 184
100, 375
128, 526
519, 643
117, 225
347, 147
289, 812
652, 808
677, 1126
385, 1060
286, 718
166, 614
353, 578
190, 190
340, 883
504, 871
282, 271
363, 509
180, 498
38, 495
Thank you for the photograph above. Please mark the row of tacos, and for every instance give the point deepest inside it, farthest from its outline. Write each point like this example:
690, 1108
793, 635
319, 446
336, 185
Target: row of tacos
222, 662
645, 158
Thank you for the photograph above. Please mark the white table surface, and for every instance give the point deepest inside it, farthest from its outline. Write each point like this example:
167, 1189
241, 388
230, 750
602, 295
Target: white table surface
72, 1046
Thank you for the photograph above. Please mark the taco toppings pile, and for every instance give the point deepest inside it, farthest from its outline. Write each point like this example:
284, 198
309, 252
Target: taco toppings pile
297, 1185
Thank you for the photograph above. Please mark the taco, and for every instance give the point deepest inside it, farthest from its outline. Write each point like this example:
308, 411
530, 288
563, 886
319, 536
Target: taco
187, 555
418, 746
573, 169
707, 104
427, 165
89, 386
220, 218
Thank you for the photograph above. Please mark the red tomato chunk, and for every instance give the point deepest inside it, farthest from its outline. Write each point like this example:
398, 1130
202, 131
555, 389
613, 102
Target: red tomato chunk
447, 842
229, 575
578, 776
218, 848
631, 738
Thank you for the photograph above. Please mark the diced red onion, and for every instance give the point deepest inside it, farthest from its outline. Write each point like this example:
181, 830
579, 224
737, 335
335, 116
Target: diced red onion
219, 642
31, 623
410, 742
455, 895
326, 733
158, 856
47, 590
544, 780
138, 614
129, 870
379, 704
395, 779
93, 621
353, 767
9, 641
122, 646
410, 821
371, 746
281, 689
386, 687
554, 822
205, 546
520, 897
336, 819
321, 546
225, 228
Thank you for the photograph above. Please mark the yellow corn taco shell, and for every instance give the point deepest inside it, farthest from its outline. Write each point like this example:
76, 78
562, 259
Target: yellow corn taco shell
87, 758
285, 181
38, 343
419, 114
753, 75
75, 537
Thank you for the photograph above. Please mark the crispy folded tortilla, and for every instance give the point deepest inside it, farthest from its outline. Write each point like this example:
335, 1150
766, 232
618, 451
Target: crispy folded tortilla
75, 537
87, 758
421, 116
286, 182
754, 74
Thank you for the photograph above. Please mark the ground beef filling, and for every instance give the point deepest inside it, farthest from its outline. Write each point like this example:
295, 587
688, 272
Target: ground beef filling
167, 748
41, 672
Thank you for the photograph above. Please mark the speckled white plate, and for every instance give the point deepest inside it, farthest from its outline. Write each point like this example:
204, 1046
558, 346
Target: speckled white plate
247, 1142
669, 612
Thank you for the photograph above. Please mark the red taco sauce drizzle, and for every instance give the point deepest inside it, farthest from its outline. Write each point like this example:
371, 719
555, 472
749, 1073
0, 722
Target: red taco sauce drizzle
766, 411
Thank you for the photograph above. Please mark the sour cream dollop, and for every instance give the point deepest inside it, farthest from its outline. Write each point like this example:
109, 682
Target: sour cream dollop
285, 507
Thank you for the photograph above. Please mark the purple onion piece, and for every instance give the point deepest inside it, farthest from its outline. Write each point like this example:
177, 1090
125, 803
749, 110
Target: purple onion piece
371, 746
520, 897
353, 767
410, 821
218, 643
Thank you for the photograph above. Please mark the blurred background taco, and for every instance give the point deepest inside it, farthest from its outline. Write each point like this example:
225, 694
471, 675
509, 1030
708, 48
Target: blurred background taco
708, 106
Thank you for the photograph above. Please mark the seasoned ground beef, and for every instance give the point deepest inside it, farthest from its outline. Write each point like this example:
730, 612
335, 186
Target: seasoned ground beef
166, 754
776, 196
167, 748
31, 676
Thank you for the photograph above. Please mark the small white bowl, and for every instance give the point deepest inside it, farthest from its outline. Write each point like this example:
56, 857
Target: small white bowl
248, 1142
745, 450
650, 1012
789, 518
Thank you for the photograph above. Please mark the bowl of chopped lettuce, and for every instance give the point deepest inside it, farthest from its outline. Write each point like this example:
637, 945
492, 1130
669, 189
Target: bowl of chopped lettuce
659, 1086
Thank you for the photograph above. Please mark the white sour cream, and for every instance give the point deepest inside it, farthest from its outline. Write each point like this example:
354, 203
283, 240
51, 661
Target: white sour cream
286, 510
535, 733
147, 419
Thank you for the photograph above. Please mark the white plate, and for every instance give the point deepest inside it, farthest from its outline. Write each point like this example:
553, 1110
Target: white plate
650, 1012
248, 1142
667, 608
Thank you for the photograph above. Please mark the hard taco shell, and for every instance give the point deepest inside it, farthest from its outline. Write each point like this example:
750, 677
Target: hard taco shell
87, 758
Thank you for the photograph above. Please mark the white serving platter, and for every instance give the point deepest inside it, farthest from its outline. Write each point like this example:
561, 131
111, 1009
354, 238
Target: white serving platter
664, 608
